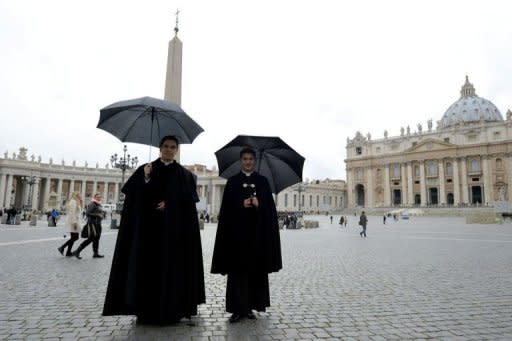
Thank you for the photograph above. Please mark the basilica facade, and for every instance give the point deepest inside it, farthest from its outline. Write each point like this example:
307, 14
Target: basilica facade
465, 161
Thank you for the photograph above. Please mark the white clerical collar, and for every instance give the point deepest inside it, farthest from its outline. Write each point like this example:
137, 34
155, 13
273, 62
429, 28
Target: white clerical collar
247, 173
166, 163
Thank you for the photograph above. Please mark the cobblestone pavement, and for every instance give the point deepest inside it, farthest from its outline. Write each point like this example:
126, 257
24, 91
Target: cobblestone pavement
427, 278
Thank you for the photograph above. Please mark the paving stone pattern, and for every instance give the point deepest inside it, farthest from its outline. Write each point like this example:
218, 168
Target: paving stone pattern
427, 278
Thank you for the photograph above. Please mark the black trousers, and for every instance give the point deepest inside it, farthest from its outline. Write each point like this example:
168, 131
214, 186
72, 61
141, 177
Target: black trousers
363, 231
72, 239
246, 292
95, 240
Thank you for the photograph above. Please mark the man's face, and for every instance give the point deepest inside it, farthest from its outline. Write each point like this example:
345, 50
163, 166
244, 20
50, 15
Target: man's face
97, 197
247, 160
168, 150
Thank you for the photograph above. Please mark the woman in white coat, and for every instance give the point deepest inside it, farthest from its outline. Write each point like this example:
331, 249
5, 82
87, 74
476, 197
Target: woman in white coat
74, 206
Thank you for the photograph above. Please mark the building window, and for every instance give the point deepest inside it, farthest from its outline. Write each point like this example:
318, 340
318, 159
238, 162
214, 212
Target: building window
396, 170
499, 164
359, 174
336, 201
302, 201
377, 150
449, 168
317, 200
447, 139
359, 150
295, 200
496, 135
472, 138
432, 169
416, 170
310, 200
286, 200
475, 166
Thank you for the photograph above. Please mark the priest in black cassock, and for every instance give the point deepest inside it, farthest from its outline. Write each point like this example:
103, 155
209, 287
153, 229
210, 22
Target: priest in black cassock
247, 245
157, 269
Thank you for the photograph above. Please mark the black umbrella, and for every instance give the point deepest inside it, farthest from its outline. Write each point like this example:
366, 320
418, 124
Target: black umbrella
146, 120
275, 160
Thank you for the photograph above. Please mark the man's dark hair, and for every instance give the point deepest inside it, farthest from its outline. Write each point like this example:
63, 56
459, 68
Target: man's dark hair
167, 138
247, 150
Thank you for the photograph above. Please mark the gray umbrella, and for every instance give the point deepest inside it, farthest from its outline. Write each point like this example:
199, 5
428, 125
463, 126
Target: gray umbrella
146, 120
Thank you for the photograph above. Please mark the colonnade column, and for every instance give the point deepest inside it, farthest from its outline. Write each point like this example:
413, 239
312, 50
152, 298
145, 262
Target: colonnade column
423, 187
370, 202
403, 178
35, 194
508, 168
463, 166
350, 189
442, 189
59, 193
46, 193
387, 189
105, 192
3, 179
8, 191
487, 183
94, 188
410, 192
214, 198
82, 189
116, 192
71, 188
456, 183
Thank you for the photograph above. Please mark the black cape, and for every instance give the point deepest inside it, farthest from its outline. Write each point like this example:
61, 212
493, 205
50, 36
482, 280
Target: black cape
247, 238
157, 268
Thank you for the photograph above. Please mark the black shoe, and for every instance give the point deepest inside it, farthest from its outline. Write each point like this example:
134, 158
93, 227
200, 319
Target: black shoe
251, 316
69, 254
97, 255
76, 254
61, 250
234, 318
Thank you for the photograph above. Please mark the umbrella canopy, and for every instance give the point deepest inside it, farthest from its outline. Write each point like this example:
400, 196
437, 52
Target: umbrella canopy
146, 120
275, 160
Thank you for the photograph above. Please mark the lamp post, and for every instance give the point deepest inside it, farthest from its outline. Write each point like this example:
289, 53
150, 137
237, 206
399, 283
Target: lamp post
30, 180
300, 188
123, 163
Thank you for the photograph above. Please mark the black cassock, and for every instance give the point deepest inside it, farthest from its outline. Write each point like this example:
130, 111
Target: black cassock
247, 245
157, 269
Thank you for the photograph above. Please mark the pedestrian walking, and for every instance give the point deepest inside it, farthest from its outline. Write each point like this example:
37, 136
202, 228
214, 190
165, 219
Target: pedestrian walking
73, 208
94, 215
346, 221
331, 220
384, 219
363, 221
157, 269
54, 215
342, 220
247, 244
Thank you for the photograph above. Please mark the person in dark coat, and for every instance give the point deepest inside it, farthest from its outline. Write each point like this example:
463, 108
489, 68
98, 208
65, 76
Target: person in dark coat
94, 215
363, 220
247, 245
157, 268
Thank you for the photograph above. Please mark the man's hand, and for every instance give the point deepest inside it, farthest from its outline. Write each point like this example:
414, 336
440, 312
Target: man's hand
161, 206
247, 203
255, 202
147, 170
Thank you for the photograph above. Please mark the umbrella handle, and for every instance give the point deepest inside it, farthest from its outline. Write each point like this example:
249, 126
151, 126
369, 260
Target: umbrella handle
151, 133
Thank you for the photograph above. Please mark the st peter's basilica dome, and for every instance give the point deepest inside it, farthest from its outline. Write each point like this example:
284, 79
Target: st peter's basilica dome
470, 108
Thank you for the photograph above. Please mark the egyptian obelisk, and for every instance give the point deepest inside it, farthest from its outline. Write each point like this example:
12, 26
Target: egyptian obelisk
173, 77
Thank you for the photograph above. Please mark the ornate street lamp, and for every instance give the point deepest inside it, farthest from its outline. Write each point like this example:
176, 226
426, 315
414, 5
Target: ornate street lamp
300, 188
30, 180
123, 163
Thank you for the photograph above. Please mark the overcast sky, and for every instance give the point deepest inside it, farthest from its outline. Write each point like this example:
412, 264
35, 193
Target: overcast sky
311, 72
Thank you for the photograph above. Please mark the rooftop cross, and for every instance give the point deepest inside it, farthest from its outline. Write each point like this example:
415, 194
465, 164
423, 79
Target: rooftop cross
176, 29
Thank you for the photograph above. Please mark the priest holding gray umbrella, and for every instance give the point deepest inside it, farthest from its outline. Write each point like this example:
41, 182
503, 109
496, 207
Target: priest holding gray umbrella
157, 267
247, 246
